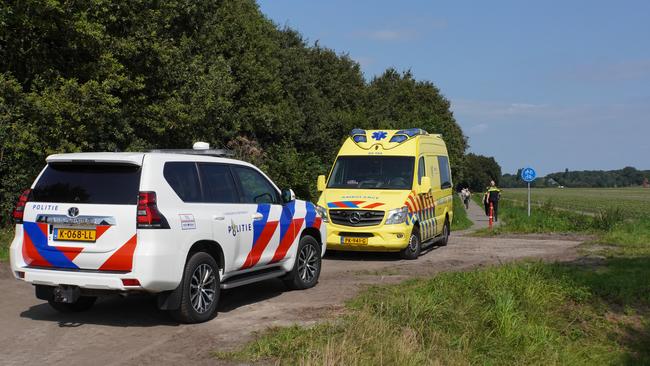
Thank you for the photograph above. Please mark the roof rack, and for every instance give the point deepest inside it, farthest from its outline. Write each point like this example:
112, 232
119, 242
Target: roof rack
203, 152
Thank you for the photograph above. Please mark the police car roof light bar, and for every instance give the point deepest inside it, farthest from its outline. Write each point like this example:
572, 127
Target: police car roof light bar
206, 152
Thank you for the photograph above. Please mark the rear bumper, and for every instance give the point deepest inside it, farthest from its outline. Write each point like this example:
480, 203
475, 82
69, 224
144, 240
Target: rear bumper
382, 238
157, 267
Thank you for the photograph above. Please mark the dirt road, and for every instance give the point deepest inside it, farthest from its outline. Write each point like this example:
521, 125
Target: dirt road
131, 331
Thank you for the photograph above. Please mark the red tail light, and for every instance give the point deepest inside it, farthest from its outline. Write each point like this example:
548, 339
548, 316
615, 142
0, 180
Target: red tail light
19, 211
148, 215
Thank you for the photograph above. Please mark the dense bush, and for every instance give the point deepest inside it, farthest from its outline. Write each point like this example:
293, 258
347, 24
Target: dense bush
107, 75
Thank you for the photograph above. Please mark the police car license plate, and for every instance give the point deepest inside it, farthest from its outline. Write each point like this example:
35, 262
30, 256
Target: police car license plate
86, 235
345, 240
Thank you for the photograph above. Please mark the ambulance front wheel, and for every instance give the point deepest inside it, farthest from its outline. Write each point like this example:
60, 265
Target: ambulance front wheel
412, 250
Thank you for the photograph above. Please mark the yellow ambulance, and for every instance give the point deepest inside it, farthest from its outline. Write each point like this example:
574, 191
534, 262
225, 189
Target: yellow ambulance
389, 191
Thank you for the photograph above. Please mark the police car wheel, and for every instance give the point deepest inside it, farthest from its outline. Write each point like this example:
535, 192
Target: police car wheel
201, 287
82, 304
414, 247
446, 230
306, 268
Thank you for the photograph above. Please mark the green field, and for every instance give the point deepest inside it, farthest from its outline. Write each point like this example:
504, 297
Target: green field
632, 201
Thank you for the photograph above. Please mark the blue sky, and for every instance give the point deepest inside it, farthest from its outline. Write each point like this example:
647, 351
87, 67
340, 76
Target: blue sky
550, 84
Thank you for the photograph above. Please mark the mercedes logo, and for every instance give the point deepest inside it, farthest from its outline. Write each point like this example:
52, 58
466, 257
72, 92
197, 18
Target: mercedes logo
73, 212
355, 217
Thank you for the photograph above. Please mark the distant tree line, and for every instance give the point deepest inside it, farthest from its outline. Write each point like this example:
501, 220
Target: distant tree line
109, 75
479, 171
626, 177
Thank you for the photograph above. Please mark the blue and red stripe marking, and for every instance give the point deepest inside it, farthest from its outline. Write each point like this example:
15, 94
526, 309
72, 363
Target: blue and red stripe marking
262, 233
290, 226
37, 252
353, 204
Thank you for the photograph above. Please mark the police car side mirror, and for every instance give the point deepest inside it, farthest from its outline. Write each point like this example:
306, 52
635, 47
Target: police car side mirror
288, 195
425, 185
320, 184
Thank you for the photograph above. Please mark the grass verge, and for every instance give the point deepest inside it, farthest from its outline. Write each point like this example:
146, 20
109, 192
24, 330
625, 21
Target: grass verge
461, 221
526, 313
6, 235
610, 226
593, 311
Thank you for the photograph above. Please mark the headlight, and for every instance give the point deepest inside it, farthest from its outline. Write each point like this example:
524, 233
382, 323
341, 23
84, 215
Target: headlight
323, 213
397, 216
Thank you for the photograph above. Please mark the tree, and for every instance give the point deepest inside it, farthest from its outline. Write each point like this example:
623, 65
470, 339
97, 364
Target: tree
480, 170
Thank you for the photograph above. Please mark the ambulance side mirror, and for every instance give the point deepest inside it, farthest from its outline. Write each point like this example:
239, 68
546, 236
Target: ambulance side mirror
320, 184
425, 185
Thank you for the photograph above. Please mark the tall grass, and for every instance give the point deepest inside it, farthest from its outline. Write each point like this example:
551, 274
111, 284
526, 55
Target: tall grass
527, 313
461, 221
612, 225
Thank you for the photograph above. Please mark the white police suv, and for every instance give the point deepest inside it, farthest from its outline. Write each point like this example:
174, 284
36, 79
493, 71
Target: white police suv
182, 224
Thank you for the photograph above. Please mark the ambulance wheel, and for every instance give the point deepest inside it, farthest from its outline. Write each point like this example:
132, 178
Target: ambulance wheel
306, 268
201, 287
412, 250
82, 304
446, 230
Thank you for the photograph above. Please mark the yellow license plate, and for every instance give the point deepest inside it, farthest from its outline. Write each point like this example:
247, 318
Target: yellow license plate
354, 240
75, 235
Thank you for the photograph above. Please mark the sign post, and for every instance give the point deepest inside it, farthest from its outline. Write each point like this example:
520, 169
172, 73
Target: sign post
528, 175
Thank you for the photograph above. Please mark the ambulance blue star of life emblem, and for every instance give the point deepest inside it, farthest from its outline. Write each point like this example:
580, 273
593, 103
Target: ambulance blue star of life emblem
379, 135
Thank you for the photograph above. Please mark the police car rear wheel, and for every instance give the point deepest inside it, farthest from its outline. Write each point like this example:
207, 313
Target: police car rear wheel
414, 247
200, 290
306, 269
82, 304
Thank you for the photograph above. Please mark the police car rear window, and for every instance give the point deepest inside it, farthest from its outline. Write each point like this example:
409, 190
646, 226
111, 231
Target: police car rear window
88, 183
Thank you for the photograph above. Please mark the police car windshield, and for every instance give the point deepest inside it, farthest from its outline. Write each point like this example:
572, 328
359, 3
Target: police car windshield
372, 172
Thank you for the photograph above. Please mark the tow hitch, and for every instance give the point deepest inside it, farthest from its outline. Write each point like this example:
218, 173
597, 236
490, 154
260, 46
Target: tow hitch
66, 294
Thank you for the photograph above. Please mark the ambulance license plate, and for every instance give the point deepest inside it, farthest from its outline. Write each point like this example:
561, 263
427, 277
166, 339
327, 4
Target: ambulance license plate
86, 235
354, 241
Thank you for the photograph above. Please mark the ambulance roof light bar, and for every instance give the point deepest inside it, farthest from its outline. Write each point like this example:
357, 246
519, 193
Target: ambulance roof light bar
403, 135
358, 135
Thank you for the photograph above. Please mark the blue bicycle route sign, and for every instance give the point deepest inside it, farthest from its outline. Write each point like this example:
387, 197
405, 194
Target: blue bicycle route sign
528, 174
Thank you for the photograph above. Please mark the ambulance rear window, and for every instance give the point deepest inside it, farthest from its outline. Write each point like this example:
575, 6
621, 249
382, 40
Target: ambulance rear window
114, 184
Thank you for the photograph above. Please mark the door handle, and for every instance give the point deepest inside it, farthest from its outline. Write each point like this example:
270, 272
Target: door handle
218, 217
257, 216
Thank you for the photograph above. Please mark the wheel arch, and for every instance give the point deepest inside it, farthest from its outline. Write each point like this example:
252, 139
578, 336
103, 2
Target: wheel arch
313, 232
211, 247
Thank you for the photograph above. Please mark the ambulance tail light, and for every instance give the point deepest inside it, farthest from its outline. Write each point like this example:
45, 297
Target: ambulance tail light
149, 217
19, 210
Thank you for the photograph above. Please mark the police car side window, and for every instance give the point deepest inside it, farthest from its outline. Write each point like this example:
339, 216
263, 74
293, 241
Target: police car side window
421, 170
254, 186
218, 183
184, 180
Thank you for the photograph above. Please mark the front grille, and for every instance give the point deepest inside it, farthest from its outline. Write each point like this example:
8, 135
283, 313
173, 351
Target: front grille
356, 217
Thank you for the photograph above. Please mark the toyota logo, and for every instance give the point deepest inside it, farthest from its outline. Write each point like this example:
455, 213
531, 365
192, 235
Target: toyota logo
355, 217
73, 212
